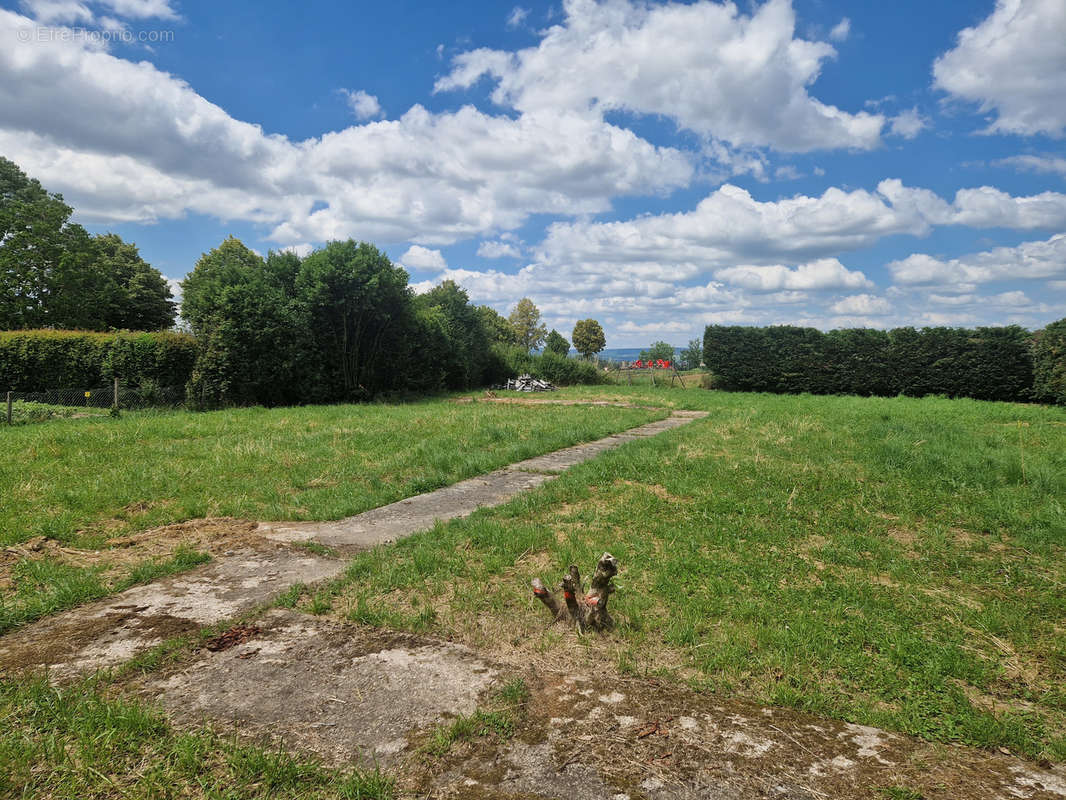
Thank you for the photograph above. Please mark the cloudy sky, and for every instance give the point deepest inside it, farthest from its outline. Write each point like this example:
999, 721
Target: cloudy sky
657, 166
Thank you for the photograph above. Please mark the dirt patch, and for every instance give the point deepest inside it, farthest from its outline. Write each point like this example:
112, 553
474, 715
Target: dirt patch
522, 401
659, 491
903, 536
216, 536
41, 548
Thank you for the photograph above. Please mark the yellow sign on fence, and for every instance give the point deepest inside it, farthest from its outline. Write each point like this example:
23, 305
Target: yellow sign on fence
88, 393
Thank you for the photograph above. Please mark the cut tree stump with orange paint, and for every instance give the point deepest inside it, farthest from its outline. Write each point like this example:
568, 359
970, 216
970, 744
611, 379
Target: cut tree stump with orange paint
586, 611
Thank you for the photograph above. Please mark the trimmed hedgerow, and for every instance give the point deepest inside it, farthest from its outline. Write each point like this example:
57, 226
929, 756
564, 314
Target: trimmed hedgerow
44, 360
982, 363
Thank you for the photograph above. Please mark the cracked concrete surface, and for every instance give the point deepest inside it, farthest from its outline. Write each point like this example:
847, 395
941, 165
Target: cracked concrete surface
345, 692
109, 632
352, 693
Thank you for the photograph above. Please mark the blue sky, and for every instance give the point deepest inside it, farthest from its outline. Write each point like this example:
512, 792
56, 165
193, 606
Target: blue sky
657, 166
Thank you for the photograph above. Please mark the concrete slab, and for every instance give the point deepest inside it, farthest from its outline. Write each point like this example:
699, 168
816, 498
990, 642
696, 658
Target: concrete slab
107, 633
346, 692
355, 694
597, 739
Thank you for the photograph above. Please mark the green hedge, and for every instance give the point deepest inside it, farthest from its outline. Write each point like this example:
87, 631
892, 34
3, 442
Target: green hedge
1049, 363
983, 363
40, 361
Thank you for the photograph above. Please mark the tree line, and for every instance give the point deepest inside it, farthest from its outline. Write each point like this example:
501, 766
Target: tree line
343, 324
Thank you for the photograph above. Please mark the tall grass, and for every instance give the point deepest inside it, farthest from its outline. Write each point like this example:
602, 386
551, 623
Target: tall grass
895, 562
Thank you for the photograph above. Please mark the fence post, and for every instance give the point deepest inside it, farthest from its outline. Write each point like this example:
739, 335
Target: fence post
114, 403
9, 408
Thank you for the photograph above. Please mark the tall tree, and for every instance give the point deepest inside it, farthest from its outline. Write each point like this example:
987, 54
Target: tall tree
141, 298
53, 273
588, 337
496, 326
229, 264
692, 356
253, 336
361, 317
42, 255
556, 343
466, 347
529, 330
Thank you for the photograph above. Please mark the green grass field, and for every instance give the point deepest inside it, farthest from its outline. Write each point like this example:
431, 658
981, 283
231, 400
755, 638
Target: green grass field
80, 481
895, 562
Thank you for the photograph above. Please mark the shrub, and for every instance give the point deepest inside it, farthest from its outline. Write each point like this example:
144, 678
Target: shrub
509, 362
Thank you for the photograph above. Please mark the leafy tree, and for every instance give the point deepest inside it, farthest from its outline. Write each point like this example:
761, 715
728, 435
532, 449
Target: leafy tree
253, 335
466, 348
497, 328
525, 320
53, 273
42, 255
588, 337
141, 298
361, 318
556, 343
658, 351
692, 356
229, 264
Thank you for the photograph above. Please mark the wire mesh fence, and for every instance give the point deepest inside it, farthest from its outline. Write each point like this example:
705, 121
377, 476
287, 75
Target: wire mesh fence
22, 407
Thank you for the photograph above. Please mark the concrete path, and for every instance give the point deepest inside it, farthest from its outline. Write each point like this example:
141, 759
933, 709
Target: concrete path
109, 632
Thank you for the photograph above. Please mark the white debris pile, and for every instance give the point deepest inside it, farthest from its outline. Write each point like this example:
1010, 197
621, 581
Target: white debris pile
527, 383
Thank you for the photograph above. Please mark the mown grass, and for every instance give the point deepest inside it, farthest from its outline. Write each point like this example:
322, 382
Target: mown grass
83, 481
894, 562
100, 747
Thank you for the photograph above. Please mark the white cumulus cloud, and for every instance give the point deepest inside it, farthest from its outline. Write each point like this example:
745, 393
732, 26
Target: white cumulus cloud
363, 105
862, 305
741, 79
1055, 165
499, 249
1013, 65
1027, 261
423, 258
162, 150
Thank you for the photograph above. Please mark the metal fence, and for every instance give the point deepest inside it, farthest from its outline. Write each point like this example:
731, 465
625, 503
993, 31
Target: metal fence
89, 402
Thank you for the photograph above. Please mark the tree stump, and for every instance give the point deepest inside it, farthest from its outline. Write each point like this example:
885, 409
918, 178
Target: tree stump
585, 611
